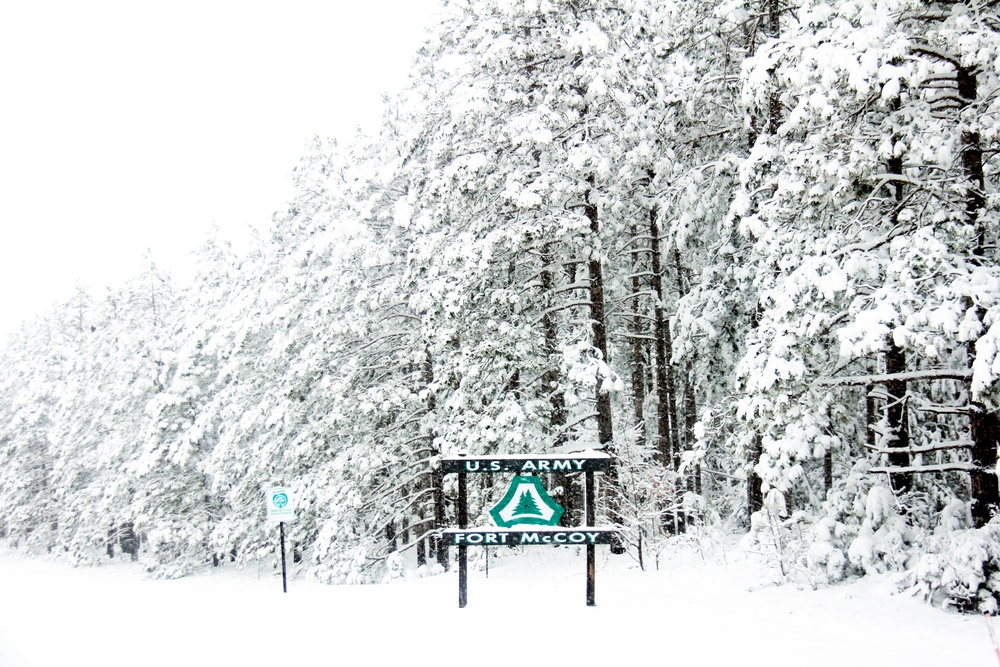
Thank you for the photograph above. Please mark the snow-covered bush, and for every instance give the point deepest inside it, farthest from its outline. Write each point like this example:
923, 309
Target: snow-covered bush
778, 539
833, 534
395, 567
883, 537
962, 565
825, 556
861, 530
163, 558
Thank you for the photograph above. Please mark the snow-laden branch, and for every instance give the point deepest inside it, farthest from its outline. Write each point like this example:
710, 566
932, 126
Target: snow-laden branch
924, 50
942, 409
393, 487
566, 306
958, 466
433, 532
708, 135
631, 313
632, 336
639, 274
867, 246
909, 376
573, 286
580, 420
925, 449
631, 295
379, 339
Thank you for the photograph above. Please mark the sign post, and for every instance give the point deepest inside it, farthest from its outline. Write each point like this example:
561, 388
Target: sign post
527, 503
278, 501
284, 575
588, 498
463, 558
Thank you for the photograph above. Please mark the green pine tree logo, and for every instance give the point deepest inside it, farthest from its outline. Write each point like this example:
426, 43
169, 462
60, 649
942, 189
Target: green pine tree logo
526, 502
526, 506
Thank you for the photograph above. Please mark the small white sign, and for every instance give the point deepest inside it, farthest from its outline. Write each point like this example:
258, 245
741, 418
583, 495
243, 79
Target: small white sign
279, 504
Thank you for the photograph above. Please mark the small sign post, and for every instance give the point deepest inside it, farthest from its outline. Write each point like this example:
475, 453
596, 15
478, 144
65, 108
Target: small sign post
278, 501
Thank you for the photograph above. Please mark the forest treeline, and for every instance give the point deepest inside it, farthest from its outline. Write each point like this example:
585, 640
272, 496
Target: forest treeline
748, 247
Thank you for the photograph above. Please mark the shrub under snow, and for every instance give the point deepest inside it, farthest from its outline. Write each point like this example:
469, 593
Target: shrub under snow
962, 565
864, 531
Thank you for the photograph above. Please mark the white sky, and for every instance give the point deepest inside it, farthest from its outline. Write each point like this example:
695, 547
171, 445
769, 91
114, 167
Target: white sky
133, 125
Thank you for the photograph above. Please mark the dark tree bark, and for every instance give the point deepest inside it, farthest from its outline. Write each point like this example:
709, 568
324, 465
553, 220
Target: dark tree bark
828, 471
550, 379
897, 418
666, 410
690, 419
571, 498
437, 547
750, 36
421, 548
605, 432
895, 357
755, 485
598, 324
390, 536
972, 161
985, 425
985, 489
666, 385
774, 99
638, 345
440, 522
772, 13
870, 416
690, 402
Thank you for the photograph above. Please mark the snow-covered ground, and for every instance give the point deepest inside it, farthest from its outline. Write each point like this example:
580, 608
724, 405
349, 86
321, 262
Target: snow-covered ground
530, 610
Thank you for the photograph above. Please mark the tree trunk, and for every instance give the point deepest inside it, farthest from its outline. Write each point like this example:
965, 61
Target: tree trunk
550, 379
972, 162
439, 518
599, 327
985, 488
870, 416
828, 471
690, 419
571, 499
438, 549
421, 544
895, 357
774, 99
605, 432
390, 536
985, 425
690, 404
755, 485
772, 9
896, 418
750, 36
638, 347
662, 345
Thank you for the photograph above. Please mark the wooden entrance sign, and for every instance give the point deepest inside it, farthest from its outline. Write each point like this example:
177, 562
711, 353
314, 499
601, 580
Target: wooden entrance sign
534, 508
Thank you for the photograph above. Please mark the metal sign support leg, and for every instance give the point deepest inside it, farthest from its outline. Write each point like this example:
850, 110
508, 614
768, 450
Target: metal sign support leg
588, 495
284, 576
463, 559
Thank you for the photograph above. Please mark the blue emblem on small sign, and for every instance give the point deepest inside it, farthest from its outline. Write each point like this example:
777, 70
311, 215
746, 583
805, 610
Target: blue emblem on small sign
279, 505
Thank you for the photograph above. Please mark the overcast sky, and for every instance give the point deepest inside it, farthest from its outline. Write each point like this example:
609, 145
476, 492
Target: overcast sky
127, 126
